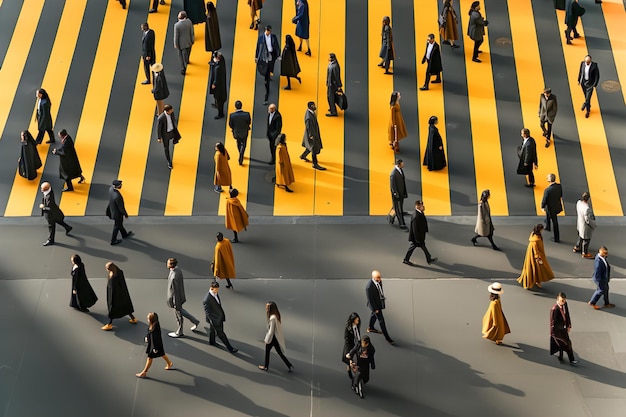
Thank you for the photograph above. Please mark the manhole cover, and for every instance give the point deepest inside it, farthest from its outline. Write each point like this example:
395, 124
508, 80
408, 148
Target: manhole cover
610, 86
503, 42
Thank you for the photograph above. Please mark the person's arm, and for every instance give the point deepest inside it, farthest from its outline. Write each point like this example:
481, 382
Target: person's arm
270, 330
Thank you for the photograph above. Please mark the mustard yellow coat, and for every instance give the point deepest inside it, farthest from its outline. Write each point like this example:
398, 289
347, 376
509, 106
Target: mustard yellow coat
398, 121
533, 272
495, 325
222, 169
236, 215
284, 170
224, 260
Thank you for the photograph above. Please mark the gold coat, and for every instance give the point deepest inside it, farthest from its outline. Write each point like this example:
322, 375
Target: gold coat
224, 260
398, 121
284, 170
533, 272
236, 216
495, 325
222, 169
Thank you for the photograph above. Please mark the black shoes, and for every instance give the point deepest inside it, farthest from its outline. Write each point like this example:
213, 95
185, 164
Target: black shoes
409, 263
474, 241
116, 242
431, 261
319, 167
129, 234
68, 230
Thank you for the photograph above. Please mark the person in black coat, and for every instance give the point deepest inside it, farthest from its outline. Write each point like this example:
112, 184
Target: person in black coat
29, 161
159, 89
559, 4
397, 182
274, 128
148, 53
432, 57
118, 298
265, 56
165, 121
361, 360
69, 166
588, 79
560, 325
195, 10
551, 204
154, 347
351, 338
216, 317
417, 234
289, 66
312, 139
376, 303
573, 11
117, 212
44, 117
239, 121
333, 84
212, 37
53, 214
434, 157
218, 83
527, 157
83, 295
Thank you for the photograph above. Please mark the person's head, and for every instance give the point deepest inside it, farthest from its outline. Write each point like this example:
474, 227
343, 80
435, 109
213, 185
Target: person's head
233, 192
290, 42
551, 178
547, 91
268, 29
112, 268
447, 3
430, 38
217, 56
585, 197
495, 290
433, 120
172, 262
271, 108
153, 318
376, 276
63, 134
182, 15
332, 57
144, 26
603, 251
238, 105
215, 287
419, 205
399, 163
538, 229
210, 8
365, 341
156, 68
117, 184
561, 299
386, 20
42, 94
45, 186
24, 135
168, 109
485, 195
282, 138
525, 133
475, 6
311, 106
587, 59
219, 236
219, 146
272, 310
76, 259
353, 319
395, 96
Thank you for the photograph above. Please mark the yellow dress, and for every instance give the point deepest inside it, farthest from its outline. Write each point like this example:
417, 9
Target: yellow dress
398, 121
495, 325
236, 216
224, 260
222, 169
284, 170
533, 272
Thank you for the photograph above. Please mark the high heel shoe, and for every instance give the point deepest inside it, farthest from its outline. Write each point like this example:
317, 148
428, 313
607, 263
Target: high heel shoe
474, 241
263, 368
299, 80
299, 48
308, 52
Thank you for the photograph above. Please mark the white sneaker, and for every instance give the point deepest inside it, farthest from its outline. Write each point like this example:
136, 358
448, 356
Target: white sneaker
194, 327
175, 335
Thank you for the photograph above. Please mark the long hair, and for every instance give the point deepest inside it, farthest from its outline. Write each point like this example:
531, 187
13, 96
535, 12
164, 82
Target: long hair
537, 230
289, 43
112, 268
353, 316
220, 147
272, 310
27, 135
473, 7
386, 21
44, 95
153, 319
210, 8
77, 260
484, 196
394, 98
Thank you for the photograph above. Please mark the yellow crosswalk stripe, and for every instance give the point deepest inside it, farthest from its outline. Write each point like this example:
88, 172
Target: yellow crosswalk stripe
91, 123
380, 87
435, 184
24, 192
531, 84
484, 122
593, 143
139, 131
614, 17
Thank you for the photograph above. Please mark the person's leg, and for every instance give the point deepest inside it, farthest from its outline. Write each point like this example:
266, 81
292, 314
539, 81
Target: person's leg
314, 158
267, 86
548, 130
555, 226
409, 252
288, 87
39, 137
52, 140
272, 151
145, 368
116, 229
332, 106
235, 237
66, 226
280, 353
426, 79
212, 333
268, 347
228, 283
429, 258
189, 317
605, 295
596, 296
531, 176
397, 207
166, 150
170, 364
181, 59
372, 320
548, 221
146, 67
179, 321
493, 244
588, 95
579, 244
51, 230
308, 47
585, 247
220, 333
383, 326
68, 185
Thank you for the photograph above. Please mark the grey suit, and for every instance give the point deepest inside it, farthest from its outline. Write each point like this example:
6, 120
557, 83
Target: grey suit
548, 107
176, 298
312, 139
184, 37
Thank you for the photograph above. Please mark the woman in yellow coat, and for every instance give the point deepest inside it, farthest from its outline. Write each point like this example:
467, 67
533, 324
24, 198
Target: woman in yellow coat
222, 169
495, 325
223, 265
236, 215
536, 268
397, 128
284, 170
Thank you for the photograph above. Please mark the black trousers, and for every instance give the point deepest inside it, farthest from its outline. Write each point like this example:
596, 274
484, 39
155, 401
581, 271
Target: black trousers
429, 76
489, 237
68, 184
568, 32
119, 227
52, 228
274, 344
546, 126
166, 150
551, 220
587, 91
476, 48
272, 144
313, 156
241, 147
415, 245
147, 64
332, 104
40, 134
268, 78
381, 320
217, 329
398, 208
531, 176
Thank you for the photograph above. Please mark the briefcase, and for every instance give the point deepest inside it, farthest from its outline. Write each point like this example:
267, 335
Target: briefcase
391, 216
342, 100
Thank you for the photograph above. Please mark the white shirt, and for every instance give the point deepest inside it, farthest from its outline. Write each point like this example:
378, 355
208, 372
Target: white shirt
400, 170
587, 66
380, 289
268, 42
429, 50
214, 294
272, 116
605, 262
170, 125
357, 335
47, 192
525, 140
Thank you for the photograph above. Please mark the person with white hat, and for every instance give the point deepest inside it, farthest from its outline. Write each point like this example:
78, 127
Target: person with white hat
495, 325
159, 89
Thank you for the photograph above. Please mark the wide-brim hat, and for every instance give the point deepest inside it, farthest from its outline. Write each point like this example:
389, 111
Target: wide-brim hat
495, 288
157, 67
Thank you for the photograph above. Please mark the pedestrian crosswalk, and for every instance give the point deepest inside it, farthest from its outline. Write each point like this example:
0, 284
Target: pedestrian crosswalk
86, 54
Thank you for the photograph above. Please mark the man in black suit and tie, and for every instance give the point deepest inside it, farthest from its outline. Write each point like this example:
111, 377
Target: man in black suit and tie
148, 53
167, 130
216, 317
588, 79
551, 205
528, 157
376, 303
417, 234
117, 212
333, 84
432, 56
239, 121
274, 128
398, 192
267, 51
601, 277
52, 213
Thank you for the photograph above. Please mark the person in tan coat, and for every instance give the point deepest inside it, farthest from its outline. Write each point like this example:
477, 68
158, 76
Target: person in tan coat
484, 226
222, 169
448, 24
223, 265
536, 268
236, 215
284, 170
495, 326
397, 128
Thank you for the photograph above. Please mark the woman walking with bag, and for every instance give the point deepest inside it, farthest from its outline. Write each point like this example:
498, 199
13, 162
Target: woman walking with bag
154, 349
351, 338
397, 128
274, 338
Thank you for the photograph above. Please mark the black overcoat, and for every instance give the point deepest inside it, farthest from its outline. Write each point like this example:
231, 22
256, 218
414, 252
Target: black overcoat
118, 297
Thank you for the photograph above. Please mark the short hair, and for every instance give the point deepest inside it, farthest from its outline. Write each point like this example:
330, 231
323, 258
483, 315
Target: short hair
182, 14
547, 90
399, 161
218, 55
144, 25
167, 107
551, 177
63, 132
268, 27
431, 36
526, 131
585, 196
310, 103
219, 236
419, 203
432, 120
562, 295
172, 261
366, 339
333, 56
238, 105
215, 284
602, 248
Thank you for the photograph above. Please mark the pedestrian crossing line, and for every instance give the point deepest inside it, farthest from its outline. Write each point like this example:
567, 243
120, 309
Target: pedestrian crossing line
435, 184
15, 58
23, 192
489, 170
614, 18
593, 143
292, 107
329, 183
242, 82
89, 131
531, 84
139, 132
379, 89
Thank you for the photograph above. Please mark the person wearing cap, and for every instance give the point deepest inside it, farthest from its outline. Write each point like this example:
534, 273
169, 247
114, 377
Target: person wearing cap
236, 216
267, 51
284, 170
117, 212
548, 107
217, 83
560, 326
495, 326
536, 268
184, 37
223, 264
333, 84
159, 89
148, 52
167, 130
53, 214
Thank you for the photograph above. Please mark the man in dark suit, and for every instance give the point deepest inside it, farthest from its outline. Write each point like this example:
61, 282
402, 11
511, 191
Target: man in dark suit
218, 83
601, 277
397, 183
52, 213
312, 139
417, 234
560, 325
376, 303
333, 84
69, 166
573, 11
274, 128
267, 51
551, 205
239, 121
216, 317
588, 79
148, 53
527, 157
548, 108
432, 56
117, 212
167, 130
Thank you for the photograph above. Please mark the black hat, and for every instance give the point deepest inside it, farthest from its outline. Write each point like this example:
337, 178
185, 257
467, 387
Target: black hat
117, 183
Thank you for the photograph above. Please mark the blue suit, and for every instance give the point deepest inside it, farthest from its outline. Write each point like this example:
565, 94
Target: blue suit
601, 276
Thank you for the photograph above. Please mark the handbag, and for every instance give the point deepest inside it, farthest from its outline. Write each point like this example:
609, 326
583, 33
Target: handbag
519, 151
341, 99
442, 20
